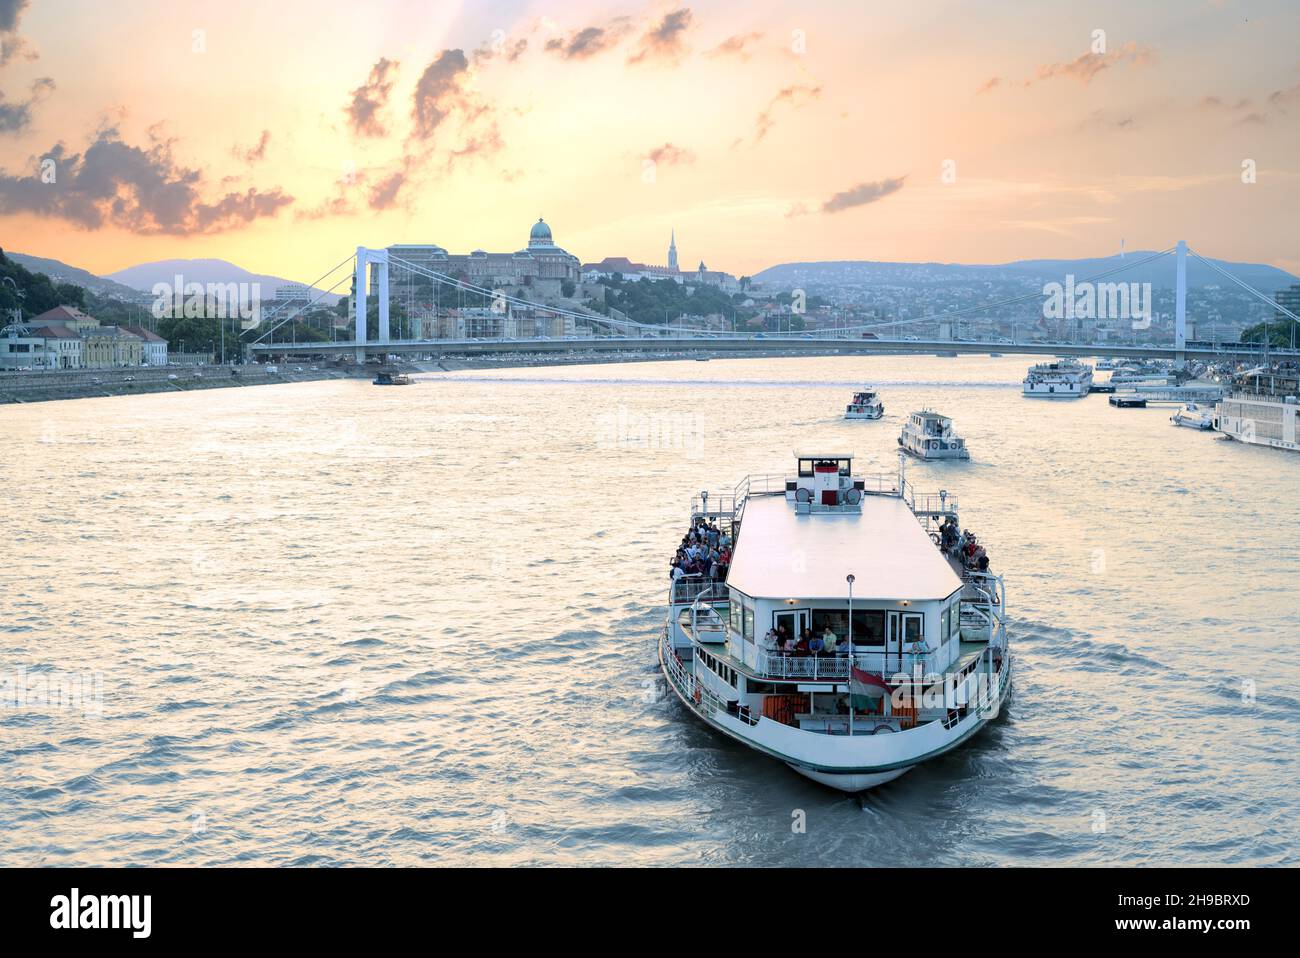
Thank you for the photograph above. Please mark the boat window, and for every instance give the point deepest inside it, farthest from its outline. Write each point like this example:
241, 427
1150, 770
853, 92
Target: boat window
868, 627
943, 625
955, 624
737, 617
805, 468
913, 626
749, 623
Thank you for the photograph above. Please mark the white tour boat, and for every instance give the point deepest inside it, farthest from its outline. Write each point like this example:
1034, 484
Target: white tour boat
1063, 379
1266, 410
929, 435
1193, 417
866, 404
848, 640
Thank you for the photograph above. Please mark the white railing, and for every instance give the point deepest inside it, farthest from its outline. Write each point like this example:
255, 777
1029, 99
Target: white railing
692, 689
689, 588
776, 665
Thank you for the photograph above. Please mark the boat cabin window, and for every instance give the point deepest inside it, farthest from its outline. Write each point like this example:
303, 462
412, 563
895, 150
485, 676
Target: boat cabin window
808, 466
913, 626
868, 624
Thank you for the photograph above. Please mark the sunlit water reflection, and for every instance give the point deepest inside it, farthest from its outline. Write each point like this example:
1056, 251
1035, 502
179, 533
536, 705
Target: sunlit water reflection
336, 624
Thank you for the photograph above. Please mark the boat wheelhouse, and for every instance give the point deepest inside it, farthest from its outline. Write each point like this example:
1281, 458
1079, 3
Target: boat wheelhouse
865, 404
929, 435
857, 633
1063, 379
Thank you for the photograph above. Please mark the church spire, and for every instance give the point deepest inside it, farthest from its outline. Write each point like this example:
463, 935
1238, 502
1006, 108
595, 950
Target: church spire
672, 252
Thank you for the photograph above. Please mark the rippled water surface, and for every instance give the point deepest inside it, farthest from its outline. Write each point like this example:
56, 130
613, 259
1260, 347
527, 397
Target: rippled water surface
336, 624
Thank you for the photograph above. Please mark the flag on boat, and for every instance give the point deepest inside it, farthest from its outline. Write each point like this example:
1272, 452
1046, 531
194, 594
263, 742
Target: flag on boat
866, 689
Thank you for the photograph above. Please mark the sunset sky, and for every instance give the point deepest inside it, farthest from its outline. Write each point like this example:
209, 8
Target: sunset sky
282, 135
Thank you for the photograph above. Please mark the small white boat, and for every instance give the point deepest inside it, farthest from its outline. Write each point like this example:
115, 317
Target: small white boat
1193, 417
929, 435
866, 404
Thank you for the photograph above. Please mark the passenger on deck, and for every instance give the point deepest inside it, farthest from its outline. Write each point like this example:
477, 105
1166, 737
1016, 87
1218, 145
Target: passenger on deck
804, 644
829, 641
770, 641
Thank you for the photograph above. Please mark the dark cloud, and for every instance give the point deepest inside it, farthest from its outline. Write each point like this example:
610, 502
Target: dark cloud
670, 155
11, 44
440, 92
1083, 68
143, 190
369, 99
511, 51
384, 193
1210, 102
737, 46
862, 194
17, 117
254, 154
795, 95
10, 12
583, 43
664, 41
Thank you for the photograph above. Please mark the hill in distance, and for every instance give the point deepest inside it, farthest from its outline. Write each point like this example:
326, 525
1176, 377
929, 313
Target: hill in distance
144, 275
63, 273
1159, 273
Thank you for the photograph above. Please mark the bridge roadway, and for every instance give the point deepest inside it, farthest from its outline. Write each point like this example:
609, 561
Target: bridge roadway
766, 343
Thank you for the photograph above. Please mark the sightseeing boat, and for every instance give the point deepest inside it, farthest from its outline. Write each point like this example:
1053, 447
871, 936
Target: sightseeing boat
1063, 379
866, 404
857, 633
392, 379
929, 435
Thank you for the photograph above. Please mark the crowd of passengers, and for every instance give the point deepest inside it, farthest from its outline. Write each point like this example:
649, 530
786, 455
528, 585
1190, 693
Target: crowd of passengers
961, 544
705, 551
778, 640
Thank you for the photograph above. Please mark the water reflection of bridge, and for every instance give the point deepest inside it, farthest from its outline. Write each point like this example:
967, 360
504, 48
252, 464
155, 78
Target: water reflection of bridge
611, 334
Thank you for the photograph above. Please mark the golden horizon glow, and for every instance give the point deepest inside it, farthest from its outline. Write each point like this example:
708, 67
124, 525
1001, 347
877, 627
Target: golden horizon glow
782, 133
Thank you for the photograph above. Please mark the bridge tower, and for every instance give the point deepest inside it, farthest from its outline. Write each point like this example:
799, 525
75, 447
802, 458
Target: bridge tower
379, 258
1180, 307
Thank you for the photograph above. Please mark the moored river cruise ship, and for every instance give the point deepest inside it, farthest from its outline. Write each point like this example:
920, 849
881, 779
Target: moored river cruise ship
858, 630
1064, 379
1265, 411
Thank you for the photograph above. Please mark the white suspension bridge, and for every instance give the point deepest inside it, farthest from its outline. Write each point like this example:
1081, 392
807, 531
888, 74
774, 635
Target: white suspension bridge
607, 334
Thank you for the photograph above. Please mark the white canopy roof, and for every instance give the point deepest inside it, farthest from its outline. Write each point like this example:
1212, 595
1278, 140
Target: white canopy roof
781, 554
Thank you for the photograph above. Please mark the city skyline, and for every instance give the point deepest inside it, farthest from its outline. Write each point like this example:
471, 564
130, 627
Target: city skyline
273, 139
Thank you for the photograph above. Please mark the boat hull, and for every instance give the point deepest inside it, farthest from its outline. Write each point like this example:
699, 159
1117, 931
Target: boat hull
877, 414
847, 763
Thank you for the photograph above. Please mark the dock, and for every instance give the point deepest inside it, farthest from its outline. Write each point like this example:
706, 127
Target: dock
1139, 398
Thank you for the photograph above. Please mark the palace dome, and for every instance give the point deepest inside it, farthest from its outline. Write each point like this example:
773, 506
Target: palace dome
540, 231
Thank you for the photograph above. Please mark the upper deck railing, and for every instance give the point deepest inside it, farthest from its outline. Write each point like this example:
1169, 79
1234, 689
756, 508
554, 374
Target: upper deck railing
730, 503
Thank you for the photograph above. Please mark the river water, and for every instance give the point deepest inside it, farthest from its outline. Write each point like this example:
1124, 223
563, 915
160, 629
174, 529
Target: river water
332, 624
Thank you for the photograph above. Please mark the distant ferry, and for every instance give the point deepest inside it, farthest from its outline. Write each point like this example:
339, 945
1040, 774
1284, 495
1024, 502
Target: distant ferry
393, 379
1263, 412
929, 435
882, 649
865, 404
1063, 379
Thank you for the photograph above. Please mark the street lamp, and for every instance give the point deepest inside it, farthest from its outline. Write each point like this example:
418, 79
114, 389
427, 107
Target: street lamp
850, 579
